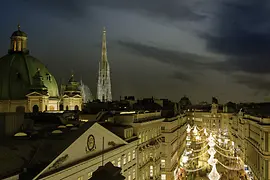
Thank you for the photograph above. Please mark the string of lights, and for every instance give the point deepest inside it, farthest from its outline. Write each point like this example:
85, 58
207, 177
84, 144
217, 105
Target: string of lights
214, 145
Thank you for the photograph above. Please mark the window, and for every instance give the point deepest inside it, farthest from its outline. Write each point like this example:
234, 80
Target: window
143, 156
129, 157
133, 154
129, 177
124, 159
119, 162
162, 127
151, 172
113, 162
162, 163
80, 178
140, 140
143, 176
163, 176
90, 174
134, 174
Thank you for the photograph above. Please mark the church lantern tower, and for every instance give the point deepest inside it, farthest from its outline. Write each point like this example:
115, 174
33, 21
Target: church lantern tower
104, 92
18, 41
72, 99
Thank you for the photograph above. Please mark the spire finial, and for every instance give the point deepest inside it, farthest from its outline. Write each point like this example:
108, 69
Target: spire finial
104, 29
19, 27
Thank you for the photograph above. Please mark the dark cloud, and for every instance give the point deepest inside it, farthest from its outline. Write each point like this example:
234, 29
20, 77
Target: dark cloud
174, 58
257, 83
242, 33
68, 9
173, 9
185, 77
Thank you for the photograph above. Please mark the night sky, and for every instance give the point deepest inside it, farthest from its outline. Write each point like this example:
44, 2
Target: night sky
160, 48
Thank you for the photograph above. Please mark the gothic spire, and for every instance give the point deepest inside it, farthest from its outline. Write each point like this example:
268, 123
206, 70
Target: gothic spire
104, 46
104, 79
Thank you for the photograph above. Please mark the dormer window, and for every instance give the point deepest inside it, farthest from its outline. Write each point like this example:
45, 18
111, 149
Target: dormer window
49, 78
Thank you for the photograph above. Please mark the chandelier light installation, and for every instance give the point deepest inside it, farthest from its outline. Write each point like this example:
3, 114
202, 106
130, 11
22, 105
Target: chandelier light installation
213, 175
216, 142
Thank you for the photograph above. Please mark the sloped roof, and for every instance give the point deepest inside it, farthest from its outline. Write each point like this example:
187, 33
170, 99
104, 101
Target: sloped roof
35, 154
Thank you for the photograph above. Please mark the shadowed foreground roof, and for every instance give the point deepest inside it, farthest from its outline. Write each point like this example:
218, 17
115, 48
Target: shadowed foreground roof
35, 153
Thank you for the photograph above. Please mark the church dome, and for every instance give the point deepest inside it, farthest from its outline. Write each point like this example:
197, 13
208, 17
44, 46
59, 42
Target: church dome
18, 70
19, 32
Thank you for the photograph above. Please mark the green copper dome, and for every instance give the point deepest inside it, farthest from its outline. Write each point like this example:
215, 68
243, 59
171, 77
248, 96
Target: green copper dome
17, 71
21, 74
19, 32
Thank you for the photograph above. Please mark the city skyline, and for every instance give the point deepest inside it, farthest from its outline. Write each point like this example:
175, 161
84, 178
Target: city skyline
188, 48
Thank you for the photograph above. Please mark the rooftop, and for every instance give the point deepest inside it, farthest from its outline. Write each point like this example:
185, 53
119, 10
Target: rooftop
31, 152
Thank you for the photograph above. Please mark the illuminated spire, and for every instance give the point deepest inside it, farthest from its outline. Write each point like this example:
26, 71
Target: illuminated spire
104, 93
19, 27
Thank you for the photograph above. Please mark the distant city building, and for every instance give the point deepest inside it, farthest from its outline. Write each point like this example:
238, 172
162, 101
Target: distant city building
86, 93
104, 92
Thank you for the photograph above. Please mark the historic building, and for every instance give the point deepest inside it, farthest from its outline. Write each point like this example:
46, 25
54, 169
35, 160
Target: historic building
76, 151
251, 134
156, 159
26, 85
71, 97
173, 132
104, 92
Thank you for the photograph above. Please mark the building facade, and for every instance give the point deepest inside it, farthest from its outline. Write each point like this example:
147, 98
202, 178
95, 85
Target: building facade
173, 144
251, 134
157, 135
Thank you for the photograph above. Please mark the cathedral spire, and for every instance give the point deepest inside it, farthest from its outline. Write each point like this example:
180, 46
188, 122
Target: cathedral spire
104, 93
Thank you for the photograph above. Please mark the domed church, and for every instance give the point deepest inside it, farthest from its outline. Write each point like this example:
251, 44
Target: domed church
26, 85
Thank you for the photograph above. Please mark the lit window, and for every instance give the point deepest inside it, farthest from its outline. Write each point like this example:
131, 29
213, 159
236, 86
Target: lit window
133, 154
162, 163
143, 176
80, 178
163, 176
151, 171
113, 162
134, 174
119, 162
129, 157
90, 174
129, 177
124, 159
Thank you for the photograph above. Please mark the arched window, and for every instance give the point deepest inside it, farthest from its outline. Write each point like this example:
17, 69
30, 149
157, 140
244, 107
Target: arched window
46, 107
20, 109
35, 108
66, 108
77, 108
61, 107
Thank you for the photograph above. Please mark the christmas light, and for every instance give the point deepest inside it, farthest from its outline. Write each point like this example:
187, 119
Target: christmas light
214, 175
